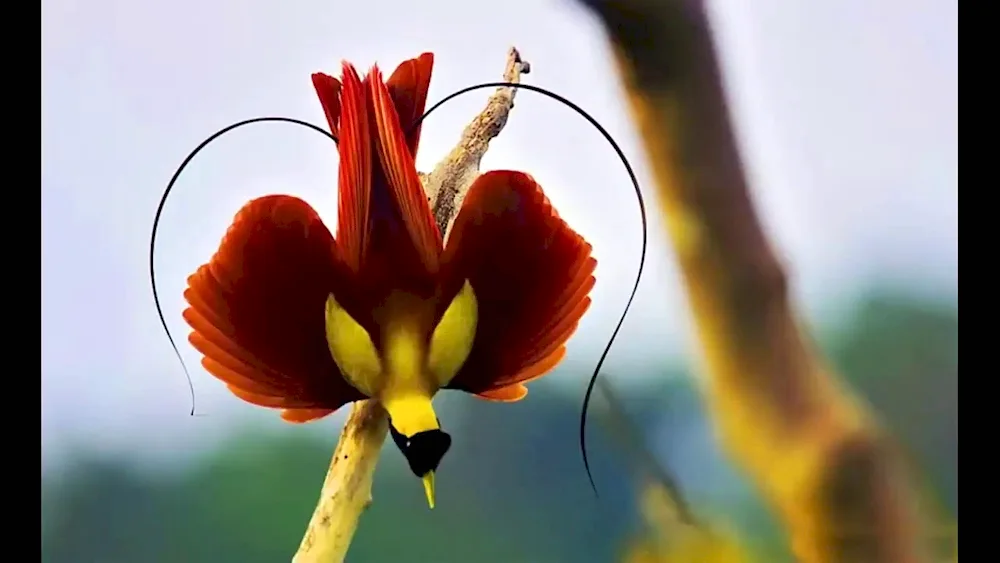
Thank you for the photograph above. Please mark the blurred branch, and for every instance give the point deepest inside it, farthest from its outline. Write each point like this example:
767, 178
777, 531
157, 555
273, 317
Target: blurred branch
814, 451
651, 472
671, 533
347, 488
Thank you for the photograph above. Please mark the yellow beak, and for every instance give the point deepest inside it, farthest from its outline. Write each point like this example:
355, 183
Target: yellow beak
429, 488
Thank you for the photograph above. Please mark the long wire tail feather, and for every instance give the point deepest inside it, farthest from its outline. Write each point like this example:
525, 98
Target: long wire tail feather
159, 213
642, 256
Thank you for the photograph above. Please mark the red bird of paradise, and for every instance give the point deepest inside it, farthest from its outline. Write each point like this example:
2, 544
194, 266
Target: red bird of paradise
289, 316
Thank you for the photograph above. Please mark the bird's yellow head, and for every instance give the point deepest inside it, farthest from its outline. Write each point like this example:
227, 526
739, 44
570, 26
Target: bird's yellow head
413, 361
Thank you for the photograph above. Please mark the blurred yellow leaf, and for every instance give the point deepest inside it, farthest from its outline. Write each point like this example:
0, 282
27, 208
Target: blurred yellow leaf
693, 546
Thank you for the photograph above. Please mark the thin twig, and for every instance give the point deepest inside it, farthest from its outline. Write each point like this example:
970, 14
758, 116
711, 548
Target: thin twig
347, 488
447, 184
815, 452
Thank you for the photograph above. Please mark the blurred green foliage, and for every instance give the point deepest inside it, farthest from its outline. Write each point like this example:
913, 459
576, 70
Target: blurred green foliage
513, 488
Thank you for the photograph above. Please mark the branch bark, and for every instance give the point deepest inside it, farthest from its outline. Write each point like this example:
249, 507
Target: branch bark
448, 183
814, 451
347, 488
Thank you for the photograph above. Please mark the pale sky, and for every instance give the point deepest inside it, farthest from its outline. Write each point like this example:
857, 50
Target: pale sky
848, 111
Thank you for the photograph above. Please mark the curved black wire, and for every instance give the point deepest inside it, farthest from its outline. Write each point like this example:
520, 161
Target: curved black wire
642, 256
580, 111
163, 201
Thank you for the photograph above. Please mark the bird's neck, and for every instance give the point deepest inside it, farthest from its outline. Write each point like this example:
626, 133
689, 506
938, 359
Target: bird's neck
408, 387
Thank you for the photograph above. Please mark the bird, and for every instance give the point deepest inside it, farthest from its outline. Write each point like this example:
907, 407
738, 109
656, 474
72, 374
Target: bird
294, 317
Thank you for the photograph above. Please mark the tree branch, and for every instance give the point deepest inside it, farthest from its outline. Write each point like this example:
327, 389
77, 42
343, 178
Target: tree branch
347, 488
813, 450
447, 184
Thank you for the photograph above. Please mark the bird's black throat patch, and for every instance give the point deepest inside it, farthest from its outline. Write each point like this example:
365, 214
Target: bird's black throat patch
424, 450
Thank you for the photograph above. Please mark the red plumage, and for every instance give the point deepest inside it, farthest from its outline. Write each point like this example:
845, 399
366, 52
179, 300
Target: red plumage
257, 308
531, 274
